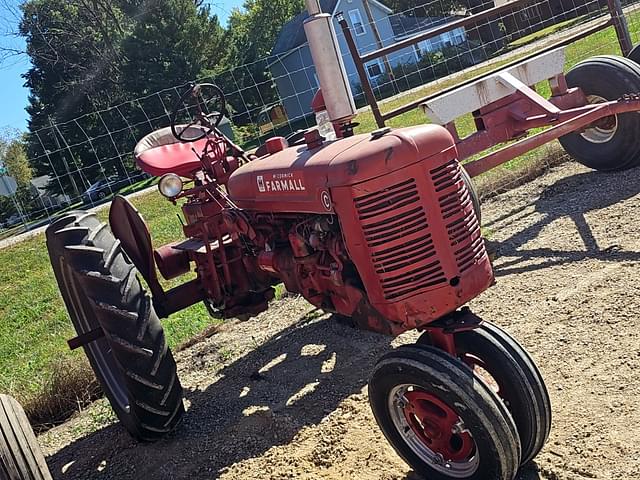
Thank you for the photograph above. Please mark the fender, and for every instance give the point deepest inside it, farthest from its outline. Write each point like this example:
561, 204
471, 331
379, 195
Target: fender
131, 230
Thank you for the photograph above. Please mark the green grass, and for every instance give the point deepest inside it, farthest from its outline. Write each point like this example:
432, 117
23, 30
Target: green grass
33, 321
34, 325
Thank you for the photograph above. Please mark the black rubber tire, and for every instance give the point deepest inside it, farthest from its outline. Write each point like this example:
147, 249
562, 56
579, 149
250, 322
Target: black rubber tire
522, 387
475, 199
609, 77
439, 374
20, 454
100, 288
635, 54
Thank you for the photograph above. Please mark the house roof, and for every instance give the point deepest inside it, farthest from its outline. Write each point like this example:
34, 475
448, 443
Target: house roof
404, 26
292, 34
41, 182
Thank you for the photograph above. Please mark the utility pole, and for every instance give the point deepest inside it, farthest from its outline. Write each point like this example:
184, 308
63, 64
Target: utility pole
376, 34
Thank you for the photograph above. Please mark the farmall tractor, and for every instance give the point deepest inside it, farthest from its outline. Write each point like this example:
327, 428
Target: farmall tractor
382, 228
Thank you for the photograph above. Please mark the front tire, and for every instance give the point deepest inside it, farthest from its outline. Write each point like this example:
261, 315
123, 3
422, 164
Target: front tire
20, 454
611, 143
101, 290
500, 361
440, 419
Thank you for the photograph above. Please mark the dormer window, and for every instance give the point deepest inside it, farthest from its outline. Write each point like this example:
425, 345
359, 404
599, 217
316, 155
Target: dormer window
356, 22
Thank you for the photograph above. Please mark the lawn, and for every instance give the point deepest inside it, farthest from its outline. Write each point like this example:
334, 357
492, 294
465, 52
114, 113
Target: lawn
34, 325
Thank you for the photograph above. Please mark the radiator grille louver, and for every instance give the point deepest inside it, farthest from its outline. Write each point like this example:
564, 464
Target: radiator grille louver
397, 233
456, 207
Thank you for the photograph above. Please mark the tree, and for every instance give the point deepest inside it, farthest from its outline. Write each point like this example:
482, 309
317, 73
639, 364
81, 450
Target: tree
251, 34
89, 55
426, 8
15, 160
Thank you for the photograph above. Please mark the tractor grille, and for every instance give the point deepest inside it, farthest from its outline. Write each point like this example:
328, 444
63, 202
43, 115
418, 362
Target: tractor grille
456, 208
397, 233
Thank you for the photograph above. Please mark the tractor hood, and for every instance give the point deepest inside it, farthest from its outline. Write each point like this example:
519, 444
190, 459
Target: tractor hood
299, 179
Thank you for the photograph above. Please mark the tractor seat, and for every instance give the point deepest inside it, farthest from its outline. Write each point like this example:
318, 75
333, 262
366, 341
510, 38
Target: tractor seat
160, 152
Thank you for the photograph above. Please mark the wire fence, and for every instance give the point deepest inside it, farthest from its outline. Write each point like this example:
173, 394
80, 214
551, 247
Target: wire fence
84, 161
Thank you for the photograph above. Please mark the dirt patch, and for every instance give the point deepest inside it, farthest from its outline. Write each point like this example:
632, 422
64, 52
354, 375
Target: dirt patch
284, 395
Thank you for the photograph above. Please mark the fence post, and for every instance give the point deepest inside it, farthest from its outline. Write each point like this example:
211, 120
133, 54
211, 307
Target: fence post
360, 68
621, 26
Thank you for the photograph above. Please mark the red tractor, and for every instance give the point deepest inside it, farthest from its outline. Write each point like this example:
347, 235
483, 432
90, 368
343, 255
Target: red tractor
382, 228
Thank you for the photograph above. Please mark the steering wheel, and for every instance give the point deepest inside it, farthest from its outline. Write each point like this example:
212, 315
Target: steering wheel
201, 97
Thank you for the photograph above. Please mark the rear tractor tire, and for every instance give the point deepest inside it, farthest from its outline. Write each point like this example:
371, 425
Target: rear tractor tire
20, 454
440, 419
612, 143
101, 290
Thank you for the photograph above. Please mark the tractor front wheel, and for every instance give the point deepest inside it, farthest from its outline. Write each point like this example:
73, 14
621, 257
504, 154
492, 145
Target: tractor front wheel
101, 291
611, 143
502, 364
440, 419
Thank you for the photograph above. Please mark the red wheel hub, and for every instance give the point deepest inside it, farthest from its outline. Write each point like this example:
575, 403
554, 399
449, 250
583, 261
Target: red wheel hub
438, 426
482, 371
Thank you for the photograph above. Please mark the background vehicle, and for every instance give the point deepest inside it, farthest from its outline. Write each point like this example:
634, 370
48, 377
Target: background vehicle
108, 186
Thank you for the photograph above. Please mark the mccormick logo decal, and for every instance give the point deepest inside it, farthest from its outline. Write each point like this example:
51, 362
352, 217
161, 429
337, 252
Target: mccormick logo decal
281, 182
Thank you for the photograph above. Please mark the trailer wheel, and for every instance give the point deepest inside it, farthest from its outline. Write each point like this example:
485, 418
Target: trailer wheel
611, 143
505, 366
101, 290
635, 54
475, 199
440, 419
20, 454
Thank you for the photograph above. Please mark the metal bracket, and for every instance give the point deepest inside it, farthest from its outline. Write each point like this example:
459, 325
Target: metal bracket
459, 321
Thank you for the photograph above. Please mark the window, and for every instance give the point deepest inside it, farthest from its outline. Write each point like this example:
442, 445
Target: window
458, 36
530, 13
375, 69
356, 22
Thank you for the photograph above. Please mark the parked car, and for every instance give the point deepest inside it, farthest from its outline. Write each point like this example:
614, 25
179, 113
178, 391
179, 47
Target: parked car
13, 220
108, 186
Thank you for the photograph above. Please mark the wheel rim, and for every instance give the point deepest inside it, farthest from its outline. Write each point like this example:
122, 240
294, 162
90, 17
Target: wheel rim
604, 129
482, 371
434, 431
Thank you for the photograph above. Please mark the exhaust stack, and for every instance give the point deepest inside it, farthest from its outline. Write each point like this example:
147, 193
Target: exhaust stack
327, 58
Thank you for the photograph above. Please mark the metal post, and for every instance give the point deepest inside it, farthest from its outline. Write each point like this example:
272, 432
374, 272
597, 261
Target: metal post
376, 34
364, 79
621, 26
64, 160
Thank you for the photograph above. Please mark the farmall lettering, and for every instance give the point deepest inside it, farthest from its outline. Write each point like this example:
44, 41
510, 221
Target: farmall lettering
281, 183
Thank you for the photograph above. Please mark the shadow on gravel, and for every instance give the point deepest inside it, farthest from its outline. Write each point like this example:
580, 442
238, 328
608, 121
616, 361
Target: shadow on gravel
260, 400
571, 197
529, 472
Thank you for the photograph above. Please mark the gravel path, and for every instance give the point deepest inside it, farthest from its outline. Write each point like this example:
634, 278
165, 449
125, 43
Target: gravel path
284, 395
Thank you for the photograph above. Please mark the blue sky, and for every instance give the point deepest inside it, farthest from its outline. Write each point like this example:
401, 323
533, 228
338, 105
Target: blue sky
13, 96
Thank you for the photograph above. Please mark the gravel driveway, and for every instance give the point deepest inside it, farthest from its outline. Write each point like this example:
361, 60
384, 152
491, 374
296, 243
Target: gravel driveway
284, 395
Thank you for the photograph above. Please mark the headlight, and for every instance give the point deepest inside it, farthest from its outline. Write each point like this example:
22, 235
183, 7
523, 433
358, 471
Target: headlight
170, 185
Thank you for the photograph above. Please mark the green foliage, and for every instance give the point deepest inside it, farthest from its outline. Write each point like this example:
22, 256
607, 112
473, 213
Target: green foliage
88, 55
427, 8
14, 157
